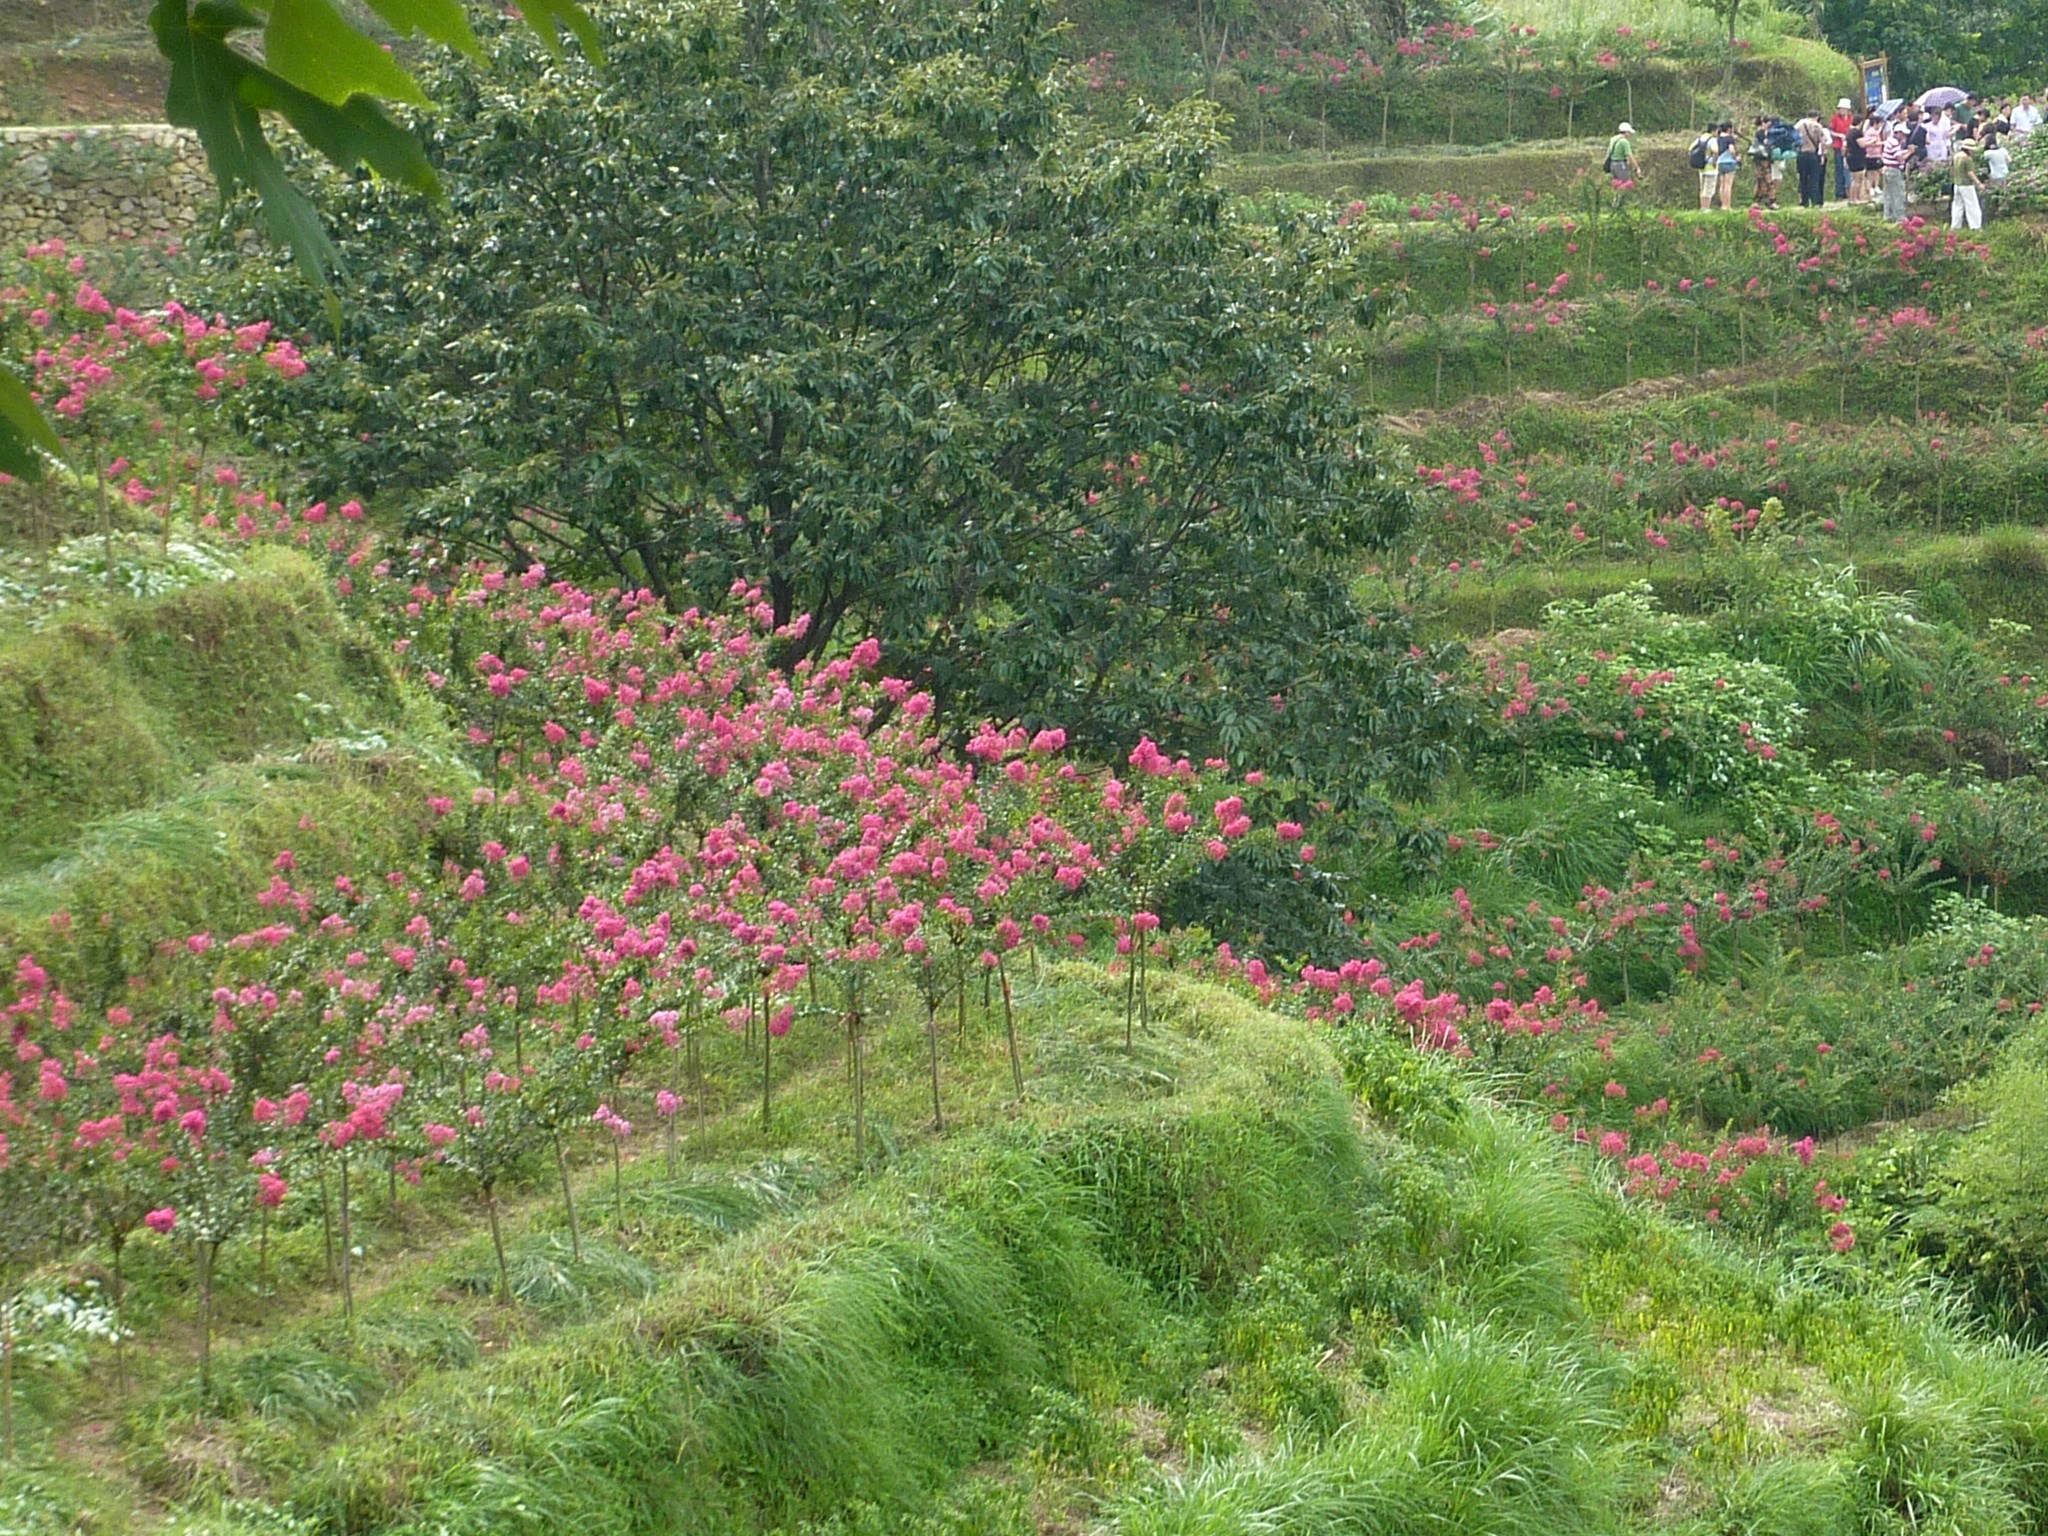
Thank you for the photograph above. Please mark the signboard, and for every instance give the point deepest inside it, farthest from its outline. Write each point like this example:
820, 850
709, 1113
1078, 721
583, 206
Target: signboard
1876, 87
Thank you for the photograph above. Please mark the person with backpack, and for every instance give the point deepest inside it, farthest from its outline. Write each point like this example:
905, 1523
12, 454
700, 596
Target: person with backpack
1811, 150
1621, 156
1765, 194
1704, 159
1726, 157
1784, 154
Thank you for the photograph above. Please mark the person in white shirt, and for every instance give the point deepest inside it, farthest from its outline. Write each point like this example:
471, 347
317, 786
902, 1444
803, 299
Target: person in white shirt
1997, 161
2026, 117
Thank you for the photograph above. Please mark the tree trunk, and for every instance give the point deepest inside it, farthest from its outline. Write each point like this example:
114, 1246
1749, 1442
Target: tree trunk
1010, 1029
860, 1107
568, 1199
119, 1243
767, 1067
498, 1244
207, 1253
931, 1030
7, 1376
326, 1213
348, 1297
99, 486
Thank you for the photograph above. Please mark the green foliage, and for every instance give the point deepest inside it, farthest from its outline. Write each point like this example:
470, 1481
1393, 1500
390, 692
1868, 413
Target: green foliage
105, 712
975, 1301
1971, 1201
546, 1275
1927, 1458
25, 437
1650, 693
1477, 1430
1972, 45
1787, 1496
1051, 495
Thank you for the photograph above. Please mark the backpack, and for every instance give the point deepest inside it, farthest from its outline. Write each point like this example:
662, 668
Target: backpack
1698, 158
1783, 136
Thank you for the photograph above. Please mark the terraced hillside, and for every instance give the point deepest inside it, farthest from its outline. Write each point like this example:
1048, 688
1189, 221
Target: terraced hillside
492, 1051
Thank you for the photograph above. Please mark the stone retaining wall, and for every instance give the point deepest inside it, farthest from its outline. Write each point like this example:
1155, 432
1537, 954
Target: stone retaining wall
92, 185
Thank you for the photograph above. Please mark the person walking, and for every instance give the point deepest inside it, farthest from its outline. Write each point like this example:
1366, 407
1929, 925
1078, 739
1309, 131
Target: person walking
1840, 127
1965, 202
1811, 155
1896, 155
1621, 156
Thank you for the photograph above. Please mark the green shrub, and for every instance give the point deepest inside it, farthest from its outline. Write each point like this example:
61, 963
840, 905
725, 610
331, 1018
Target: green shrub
1990, 1226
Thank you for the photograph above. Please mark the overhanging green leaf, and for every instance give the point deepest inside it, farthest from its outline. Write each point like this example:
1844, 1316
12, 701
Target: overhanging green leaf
25, 436
549, 18
308, 43
441, 20
222, 94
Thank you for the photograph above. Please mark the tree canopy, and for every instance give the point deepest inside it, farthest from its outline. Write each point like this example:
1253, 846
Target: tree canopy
840, 296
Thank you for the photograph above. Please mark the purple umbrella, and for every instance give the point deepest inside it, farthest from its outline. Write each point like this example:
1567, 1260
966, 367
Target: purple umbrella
1942, 96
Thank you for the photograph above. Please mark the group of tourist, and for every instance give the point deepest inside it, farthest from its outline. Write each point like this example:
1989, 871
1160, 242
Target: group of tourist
1868, 155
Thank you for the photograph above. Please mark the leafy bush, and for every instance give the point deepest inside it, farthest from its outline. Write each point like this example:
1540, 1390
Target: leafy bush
1052, 497
1621, 682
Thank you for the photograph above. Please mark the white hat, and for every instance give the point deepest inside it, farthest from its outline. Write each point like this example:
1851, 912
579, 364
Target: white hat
1626, 128
1842, 105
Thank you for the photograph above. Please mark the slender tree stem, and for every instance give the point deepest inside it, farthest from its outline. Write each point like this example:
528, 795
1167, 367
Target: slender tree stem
7, 1375
767, 1064
568, 1199
348, 1295
498, 1244
931, 1030
860, 1107
326, 1213
1010, 1028
118, 1243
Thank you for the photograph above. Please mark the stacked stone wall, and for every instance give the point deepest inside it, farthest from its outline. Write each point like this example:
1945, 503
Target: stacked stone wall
91, 186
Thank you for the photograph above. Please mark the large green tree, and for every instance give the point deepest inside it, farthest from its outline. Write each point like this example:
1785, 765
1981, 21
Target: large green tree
838, 296
1981, 44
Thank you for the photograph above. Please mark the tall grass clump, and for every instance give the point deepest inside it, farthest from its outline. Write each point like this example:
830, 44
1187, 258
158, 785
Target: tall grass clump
1478, 1429
105, 711
868, 1349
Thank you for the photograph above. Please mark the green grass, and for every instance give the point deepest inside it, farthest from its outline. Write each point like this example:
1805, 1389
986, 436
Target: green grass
2001, 574
106, 711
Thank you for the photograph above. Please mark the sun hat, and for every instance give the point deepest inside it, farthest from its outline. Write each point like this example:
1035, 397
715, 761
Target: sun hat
1626, 128
1842, 105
